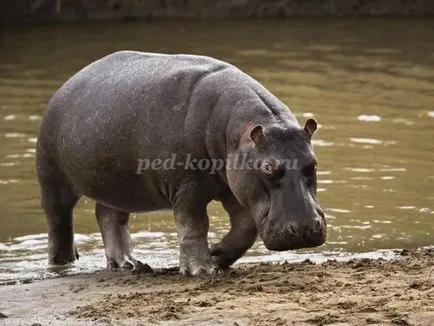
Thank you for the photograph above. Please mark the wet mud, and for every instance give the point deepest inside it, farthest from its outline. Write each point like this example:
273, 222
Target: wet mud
356, 292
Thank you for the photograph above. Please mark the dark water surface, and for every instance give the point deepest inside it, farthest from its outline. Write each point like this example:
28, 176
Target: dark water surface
370, 84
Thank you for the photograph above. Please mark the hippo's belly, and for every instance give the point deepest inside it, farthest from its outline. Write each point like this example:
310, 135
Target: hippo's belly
130, 198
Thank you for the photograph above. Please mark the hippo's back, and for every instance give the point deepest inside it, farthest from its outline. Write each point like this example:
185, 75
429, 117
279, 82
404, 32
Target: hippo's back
127, 77
135, 69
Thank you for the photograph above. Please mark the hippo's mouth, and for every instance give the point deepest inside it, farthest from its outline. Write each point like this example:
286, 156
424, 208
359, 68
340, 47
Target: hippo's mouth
286, 236
293, 242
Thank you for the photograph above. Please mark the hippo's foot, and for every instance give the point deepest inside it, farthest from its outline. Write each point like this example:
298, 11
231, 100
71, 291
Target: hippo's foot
61, 259
59, 255
196, 261
224, 257
126, 262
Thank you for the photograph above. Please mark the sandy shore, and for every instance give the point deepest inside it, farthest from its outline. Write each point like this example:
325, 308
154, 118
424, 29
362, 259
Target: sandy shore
358, 292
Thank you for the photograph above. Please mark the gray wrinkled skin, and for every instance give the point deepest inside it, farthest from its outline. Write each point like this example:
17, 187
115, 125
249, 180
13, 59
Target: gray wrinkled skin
131, 105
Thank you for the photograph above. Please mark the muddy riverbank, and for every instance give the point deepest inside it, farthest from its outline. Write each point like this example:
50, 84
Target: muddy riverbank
357, 292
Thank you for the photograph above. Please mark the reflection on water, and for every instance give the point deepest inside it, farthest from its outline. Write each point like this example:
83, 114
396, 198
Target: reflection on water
372, 93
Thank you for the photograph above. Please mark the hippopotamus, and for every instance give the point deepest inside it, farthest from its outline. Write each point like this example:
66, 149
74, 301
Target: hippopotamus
128, 109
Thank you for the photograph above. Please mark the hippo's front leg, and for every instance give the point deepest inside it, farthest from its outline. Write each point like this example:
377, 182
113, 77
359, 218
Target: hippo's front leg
192, 227
241, 236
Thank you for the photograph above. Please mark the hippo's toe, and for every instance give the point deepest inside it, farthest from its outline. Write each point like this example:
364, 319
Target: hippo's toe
195, 269
128, 263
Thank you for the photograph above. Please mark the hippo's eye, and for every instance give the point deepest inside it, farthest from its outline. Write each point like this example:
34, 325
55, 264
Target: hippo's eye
267, 168
272, 169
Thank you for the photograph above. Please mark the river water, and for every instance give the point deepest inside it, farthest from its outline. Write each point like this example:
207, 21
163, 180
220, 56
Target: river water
369, 83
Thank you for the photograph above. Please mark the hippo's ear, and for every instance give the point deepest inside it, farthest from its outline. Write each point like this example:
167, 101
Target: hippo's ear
310, 127
257, 135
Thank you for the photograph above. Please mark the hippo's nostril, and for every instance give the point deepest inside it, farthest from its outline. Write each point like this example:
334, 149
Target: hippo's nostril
317, 225
292, 228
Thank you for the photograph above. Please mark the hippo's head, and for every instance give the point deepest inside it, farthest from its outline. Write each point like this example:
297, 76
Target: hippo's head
275, 178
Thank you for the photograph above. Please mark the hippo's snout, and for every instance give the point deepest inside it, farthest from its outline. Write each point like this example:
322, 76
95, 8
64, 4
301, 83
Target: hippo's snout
293, 235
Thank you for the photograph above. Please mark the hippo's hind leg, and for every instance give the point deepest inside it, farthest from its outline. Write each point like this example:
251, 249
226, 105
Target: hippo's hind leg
241, 236
58, 200
116, 238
